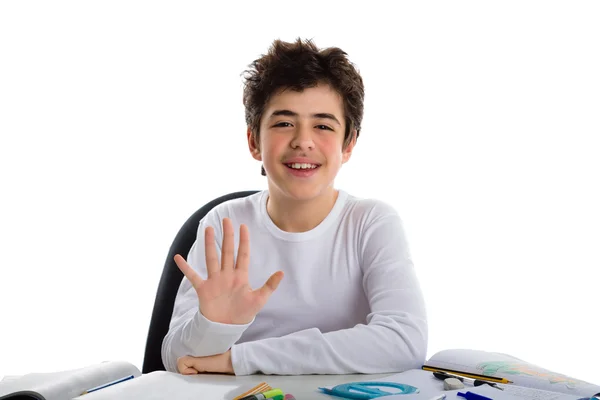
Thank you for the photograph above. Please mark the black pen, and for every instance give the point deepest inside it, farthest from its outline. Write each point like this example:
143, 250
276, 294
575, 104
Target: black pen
475, 382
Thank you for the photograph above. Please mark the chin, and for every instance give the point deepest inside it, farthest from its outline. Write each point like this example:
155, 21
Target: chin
303, 192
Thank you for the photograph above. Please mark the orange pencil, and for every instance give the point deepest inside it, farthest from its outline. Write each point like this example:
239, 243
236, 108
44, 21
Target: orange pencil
261, 387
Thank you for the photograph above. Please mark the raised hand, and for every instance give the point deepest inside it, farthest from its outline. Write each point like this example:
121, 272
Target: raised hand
225, 296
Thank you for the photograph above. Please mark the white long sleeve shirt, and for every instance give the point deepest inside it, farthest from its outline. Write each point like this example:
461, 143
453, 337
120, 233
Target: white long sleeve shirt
349, 302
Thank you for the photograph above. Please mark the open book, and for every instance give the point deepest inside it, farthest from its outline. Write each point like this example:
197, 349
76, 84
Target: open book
94, 383
522, 374
67, 385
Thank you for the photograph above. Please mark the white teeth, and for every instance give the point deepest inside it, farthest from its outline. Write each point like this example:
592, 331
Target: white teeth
302, 166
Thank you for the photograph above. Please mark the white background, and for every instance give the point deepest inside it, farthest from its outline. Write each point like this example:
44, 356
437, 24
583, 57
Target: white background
119, 119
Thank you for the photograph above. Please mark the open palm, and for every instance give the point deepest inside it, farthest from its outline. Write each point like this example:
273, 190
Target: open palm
225, 296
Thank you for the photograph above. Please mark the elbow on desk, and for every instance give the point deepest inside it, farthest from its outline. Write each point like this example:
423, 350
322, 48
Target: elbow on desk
410, 349
413, 359
395, 356
402, 357
407, 357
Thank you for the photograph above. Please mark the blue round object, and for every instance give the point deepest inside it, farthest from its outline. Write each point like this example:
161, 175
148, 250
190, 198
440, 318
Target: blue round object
369, 390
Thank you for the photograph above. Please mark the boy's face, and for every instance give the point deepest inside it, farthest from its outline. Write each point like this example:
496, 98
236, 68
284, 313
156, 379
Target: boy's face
301, 140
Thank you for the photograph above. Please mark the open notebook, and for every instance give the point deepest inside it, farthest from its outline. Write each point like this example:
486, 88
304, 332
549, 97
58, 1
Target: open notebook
66, 385
71, 385
522, 374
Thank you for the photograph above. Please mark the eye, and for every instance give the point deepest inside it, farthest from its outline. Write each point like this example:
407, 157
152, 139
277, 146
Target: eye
324, 127
282, 124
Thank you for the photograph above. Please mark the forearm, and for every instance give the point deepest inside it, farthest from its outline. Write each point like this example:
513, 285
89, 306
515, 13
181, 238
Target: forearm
199, 337
388, 344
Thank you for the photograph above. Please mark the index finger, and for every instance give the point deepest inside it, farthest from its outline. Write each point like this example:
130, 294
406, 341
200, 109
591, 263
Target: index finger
189, 272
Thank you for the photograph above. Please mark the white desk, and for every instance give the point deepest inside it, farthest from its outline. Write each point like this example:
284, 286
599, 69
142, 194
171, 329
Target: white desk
161, 385
302, 386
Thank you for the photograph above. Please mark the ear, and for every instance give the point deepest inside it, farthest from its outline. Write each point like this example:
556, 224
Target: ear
253, 146
347, 152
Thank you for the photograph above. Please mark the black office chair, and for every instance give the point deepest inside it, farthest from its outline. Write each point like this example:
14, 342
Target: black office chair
171, 279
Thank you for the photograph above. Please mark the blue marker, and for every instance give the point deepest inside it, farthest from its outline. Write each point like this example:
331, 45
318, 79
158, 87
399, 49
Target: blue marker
108, 384
472, 396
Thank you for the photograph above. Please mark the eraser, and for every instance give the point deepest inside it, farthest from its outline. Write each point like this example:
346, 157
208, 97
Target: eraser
452, 384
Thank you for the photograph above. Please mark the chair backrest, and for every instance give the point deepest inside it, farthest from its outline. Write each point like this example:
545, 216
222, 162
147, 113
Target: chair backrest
169, 283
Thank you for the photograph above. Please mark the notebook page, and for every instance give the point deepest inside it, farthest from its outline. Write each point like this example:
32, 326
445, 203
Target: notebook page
520, 372
160, 385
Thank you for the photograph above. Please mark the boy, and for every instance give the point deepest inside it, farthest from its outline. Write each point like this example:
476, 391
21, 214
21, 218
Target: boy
337, 291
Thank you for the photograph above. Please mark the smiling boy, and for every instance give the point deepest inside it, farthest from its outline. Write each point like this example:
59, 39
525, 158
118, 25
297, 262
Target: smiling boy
317, 281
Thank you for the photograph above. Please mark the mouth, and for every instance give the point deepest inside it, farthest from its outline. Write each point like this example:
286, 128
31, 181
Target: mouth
302, 166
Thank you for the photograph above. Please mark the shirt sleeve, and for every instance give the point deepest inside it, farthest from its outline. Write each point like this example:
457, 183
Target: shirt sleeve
394, 338
190, 333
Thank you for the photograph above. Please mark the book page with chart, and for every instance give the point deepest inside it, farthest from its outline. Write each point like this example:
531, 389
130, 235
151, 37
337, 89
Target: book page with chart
520, 372
430, 387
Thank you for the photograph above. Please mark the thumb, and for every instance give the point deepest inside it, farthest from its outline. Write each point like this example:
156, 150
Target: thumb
271, 284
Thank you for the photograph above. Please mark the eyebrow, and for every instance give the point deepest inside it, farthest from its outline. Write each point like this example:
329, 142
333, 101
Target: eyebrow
289, 113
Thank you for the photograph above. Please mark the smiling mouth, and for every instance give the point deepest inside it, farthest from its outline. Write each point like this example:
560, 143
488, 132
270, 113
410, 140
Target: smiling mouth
302, 166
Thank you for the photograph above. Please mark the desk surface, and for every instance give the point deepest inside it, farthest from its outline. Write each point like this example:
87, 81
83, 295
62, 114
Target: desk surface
160, 385
301, 386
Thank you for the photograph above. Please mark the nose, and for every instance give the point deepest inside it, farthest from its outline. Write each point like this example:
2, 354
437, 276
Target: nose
303, 138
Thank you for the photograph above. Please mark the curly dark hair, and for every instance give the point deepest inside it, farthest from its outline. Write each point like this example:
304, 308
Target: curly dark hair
299, 65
